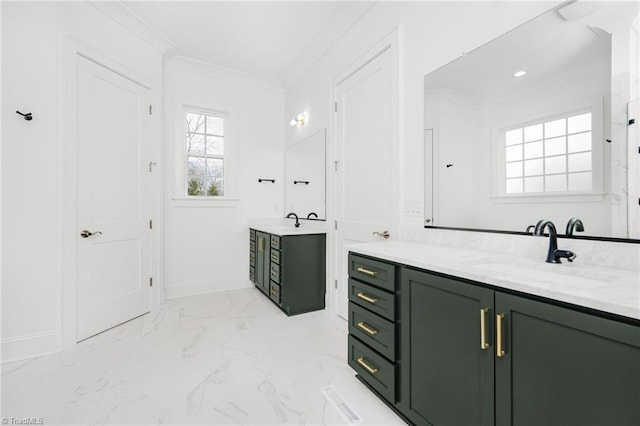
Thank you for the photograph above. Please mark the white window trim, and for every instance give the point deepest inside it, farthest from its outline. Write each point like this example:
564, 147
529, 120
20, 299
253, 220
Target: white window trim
498, 176
180, 199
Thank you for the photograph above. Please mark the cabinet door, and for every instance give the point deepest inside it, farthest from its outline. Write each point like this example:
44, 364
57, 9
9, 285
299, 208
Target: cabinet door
262, 261
563, 367
446, 377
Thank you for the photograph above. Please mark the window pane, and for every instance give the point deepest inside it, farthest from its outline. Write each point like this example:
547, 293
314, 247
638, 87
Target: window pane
555, 183
513, 137
196, 166
513, 153
195, 143
514, 169
554, 128
195, 122
533, 133
215, 125
215, 145
580, 181
555, 164
555, 146
533, 167
514, 186
195, 186
533, 150
579, 123
580, 162
534, 184
215, 177
580, 142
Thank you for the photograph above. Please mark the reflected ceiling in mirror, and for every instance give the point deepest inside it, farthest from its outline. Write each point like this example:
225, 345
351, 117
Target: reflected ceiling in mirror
533, 125
305, 187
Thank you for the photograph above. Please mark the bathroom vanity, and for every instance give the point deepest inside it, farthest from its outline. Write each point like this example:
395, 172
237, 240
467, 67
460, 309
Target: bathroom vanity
448, 336
289, 266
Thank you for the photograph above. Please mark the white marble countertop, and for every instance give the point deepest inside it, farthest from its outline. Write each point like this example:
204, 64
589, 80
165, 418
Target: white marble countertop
610, 290
287, 229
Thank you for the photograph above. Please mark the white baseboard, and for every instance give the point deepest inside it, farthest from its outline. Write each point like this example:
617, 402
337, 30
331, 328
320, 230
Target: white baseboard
21, 348
202, 287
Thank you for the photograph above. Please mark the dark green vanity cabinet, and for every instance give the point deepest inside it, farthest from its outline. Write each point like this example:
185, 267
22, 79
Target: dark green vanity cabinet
478, 356
466, 353
290, 269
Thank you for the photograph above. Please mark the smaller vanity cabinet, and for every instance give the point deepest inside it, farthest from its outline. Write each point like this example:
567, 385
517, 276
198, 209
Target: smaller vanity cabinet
289, 269
372, 324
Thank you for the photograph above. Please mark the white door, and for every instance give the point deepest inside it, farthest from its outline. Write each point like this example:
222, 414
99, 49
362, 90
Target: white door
113, 199
428, 177
364, 154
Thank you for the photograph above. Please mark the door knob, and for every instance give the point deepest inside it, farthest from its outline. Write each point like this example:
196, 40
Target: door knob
86, 233
383, 234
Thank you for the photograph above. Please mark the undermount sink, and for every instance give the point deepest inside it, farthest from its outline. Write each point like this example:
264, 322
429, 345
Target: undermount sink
548, 272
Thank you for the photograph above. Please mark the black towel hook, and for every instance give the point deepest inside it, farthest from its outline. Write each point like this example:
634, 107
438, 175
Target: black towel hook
26, 116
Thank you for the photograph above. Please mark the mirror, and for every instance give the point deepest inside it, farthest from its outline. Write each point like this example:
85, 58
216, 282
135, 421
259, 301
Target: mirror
305, 187
503, 151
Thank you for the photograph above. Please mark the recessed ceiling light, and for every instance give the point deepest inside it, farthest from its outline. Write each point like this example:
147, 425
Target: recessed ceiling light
519, 73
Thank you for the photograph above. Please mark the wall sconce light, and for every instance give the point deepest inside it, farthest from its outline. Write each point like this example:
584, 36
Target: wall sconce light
299, 119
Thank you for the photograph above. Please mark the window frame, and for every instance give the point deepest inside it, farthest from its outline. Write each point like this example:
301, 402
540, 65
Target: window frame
181, 197
499, 194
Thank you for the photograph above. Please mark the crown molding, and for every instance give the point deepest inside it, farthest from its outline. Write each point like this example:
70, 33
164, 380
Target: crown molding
135, 24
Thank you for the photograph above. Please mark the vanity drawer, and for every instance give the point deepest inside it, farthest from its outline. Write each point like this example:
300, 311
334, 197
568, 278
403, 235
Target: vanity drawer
379, 373
252, 258
252, 246
275, 242
274, 292
275, 272
373, 330
374, 272
252, 274
372, 298
252, 235
275, 256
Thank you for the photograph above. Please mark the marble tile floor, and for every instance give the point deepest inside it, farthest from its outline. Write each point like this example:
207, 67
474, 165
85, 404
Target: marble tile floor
218, 359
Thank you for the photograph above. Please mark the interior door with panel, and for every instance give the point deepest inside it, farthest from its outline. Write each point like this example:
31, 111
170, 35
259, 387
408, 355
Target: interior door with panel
114, 190
563, 367
364, 151
447, 356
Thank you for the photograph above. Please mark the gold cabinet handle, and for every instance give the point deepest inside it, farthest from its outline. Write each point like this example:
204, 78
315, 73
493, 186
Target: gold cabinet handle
260, 244
365, 327
366, 366
367, 271
499, 348
371, 300
483, 329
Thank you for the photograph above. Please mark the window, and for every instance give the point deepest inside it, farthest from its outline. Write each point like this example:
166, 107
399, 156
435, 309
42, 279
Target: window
204, 136
550, 156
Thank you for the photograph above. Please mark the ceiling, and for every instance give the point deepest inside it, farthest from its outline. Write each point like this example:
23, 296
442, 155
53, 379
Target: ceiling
262, 38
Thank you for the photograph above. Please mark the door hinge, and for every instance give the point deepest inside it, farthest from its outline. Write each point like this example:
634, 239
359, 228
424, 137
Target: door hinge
632, 121
335, 166
335, 224
150, 281
150, 223
151, 164
150, 109
335, 107
335, 284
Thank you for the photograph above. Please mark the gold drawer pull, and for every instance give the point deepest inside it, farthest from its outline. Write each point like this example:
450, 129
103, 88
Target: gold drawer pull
499, 349
260, 244
366, 366
371, 300
365, 327
367, 272
483, 328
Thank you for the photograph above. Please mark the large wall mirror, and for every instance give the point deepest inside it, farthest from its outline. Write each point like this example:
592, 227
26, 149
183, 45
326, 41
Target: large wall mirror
305, 187
535, 124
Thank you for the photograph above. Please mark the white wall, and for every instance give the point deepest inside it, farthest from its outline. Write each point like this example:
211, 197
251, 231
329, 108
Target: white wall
32, 152
206, 244
431, 34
